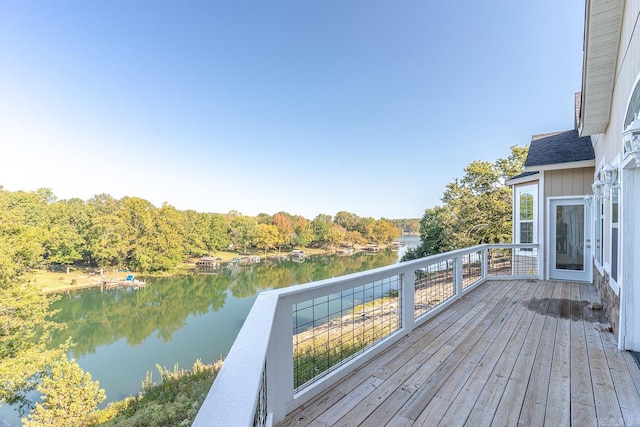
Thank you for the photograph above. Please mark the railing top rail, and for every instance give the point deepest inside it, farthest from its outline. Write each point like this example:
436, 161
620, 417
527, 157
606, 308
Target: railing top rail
337, 284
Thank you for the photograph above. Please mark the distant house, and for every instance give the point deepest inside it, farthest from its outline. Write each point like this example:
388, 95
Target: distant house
579, 196
207, 264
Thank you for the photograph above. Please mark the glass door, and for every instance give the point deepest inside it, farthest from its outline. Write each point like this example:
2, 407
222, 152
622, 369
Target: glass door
570, 240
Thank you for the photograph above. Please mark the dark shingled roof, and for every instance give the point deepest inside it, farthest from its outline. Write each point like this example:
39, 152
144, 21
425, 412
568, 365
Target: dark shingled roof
563, 147
525, 174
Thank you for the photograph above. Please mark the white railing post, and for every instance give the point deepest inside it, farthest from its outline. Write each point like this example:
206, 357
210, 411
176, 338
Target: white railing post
540, 252
280, 363
407, 300
457, 276
485, 263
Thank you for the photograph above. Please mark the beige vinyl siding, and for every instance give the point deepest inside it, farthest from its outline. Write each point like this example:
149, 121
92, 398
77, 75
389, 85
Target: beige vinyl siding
568, 182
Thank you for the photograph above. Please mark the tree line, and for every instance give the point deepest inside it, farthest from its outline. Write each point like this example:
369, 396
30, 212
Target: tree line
476, 208
133, 233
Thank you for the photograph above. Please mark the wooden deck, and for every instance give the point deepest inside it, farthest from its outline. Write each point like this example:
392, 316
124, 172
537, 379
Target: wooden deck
528, 353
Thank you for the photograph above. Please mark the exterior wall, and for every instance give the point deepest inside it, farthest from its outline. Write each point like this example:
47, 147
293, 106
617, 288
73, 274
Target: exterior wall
608, 149
559, 183
568, 182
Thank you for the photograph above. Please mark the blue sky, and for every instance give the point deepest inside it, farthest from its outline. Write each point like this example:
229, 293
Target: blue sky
304, 106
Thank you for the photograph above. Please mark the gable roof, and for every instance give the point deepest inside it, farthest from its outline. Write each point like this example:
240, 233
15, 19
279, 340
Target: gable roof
560, 148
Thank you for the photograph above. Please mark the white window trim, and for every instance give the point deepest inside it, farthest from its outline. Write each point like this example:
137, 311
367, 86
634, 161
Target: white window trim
533, 190
614, 284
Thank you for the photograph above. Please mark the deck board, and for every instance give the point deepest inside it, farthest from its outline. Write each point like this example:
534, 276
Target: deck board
508, 353
559, 397
463, 404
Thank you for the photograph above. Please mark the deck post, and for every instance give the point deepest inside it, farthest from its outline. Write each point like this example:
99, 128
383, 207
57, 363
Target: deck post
457, 276
407, 300
485, 263
279, 362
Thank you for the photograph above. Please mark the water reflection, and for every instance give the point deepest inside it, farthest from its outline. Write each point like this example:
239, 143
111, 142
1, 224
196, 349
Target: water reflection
96, 318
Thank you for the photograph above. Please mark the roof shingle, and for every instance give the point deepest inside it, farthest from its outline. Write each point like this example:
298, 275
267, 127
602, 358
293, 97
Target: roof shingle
563, 147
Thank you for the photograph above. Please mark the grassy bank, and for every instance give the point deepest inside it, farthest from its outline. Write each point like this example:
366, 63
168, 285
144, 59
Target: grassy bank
173, 402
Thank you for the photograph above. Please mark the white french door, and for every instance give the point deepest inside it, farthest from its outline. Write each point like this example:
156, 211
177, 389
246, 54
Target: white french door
569, 242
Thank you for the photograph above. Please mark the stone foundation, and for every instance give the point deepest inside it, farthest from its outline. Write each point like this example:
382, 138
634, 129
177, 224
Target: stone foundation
610, 301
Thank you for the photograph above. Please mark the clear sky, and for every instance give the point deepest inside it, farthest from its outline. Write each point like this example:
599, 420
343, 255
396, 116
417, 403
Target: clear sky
303, 106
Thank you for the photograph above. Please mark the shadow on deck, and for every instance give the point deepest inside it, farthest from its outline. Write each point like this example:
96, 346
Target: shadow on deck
510, 352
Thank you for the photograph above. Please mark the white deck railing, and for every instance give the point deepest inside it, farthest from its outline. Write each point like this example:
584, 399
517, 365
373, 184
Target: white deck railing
261, 379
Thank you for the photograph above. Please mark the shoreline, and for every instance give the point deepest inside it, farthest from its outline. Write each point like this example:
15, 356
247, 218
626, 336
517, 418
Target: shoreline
81, 278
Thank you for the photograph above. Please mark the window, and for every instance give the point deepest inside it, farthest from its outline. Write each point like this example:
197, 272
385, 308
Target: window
526, 206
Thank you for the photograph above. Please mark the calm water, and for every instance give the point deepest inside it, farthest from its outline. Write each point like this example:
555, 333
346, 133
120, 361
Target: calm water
122, 334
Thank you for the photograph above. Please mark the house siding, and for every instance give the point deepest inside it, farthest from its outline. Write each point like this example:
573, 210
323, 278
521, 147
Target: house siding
608, 148
568, 182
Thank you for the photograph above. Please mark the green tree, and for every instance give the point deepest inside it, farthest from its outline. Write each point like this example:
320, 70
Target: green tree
384, 231
365, 227
67, 235
25, 327
106, 242
166, 242
335, 234
264, 218
284, 224
267, 237
321, 225
195, 226
302, 232
476, 208
243, 231
347, 220
216, 237
354, 238
69, 397
137, 215
434, 234
481, 201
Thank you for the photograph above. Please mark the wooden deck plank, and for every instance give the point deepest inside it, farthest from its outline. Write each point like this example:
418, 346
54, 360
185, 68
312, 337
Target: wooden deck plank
633, 367
583, 409
395, 358
626, 390
349, 401
427, 410
427, 390
559, 398
433, 367
607, 405
535, 398
431, 354
484, 409
463, 403
510, 406
465, 366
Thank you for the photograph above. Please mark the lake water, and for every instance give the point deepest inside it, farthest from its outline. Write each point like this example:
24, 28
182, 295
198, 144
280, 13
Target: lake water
122, 334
